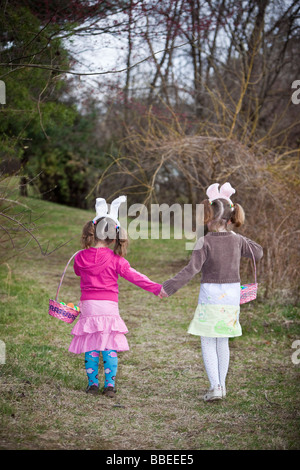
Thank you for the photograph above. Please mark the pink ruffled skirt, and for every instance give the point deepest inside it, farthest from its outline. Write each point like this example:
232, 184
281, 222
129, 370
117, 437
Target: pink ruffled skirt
99, 327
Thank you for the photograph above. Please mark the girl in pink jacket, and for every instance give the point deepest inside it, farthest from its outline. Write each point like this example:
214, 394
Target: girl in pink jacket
100, 327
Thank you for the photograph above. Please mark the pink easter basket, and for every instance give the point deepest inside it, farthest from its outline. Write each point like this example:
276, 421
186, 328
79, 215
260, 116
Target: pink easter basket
59, 310
249, 291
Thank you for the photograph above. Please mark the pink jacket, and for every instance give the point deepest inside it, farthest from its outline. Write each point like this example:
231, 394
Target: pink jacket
99, 269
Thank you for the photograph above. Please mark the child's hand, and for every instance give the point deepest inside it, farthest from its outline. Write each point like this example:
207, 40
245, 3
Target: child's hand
162, 293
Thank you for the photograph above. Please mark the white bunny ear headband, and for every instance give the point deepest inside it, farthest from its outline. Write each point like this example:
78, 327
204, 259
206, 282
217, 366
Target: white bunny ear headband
225, 192
102, 211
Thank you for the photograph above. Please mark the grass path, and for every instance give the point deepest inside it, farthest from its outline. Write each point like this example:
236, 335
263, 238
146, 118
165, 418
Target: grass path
161, 379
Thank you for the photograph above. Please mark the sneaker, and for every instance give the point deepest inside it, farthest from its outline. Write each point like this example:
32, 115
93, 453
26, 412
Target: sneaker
93, 389
223, 391
109, 392
213, 394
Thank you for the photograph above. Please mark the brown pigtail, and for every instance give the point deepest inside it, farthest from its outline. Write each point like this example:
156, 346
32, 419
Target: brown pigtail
208, 211
88, 235
121, 243
238, 215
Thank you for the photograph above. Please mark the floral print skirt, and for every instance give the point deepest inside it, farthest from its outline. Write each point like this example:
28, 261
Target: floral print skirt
218, 310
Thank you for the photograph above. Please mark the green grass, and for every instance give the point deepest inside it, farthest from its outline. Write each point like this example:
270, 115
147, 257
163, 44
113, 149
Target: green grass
161, 379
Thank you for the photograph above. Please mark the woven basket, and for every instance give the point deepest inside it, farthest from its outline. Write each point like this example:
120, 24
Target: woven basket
249, 291
59, 310
62, 312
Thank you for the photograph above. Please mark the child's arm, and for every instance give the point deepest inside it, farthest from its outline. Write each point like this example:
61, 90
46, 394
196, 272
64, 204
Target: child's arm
255, 247
137, 278
188, 272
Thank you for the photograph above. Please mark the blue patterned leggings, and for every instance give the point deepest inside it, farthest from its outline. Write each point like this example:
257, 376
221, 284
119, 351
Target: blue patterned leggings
110, 363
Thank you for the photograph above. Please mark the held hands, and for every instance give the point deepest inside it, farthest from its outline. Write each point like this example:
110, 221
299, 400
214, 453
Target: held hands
162, 293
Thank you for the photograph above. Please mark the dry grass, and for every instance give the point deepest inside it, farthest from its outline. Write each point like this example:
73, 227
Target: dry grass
160, 163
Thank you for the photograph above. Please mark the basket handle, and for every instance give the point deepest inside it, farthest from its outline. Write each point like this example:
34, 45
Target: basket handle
253, 260
63, 274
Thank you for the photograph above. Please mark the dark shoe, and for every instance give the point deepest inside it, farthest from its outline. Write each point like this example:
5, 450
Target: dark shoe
109, 392
92, 389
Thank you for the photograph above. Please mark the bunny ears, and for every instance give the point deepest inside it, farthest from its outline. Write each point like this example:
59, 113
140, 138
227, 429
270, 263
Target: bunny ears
102, 211
225, 192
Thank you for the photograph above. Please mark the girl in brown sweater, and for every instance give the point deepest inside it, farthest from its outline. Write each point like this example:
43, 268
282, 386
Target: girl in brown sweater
217, 255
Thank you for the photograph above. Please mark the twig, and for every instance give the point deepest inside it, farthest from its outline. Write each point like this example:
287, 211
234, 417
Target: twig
271, 402
57, 70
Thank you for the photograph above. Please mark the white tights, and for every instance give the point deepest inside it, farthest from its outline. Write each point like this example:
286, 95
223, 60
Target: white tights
215, 352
